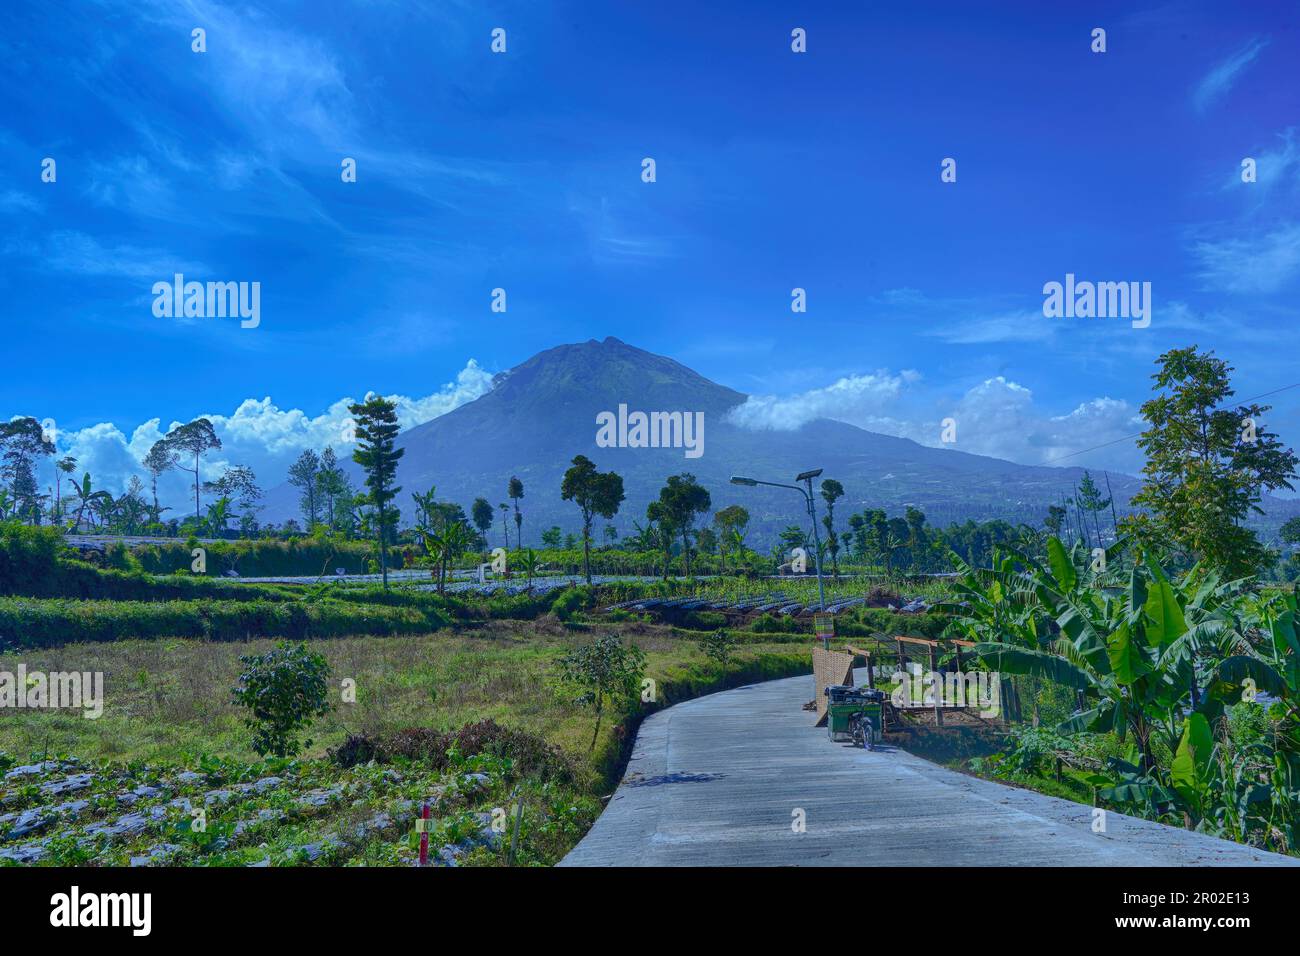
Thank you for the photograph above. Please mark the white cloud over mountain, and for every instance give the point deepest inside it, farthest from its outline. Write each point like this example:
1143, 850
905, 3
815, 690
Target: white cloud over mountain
258, 434
997, 417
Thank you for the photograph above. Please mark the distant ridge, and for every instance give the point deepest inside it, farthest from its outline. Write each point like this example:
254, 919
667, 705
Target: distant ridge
542, 412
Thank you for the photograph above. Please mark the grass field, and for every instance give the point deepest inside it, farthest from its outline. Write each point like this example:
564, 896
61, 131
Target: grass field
169, 727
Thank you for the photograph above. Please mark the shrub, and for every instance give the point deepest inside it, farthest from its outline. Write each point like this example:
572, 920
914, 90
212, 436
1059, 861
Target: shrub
704, 620
717, 645
283, 690
530, 755
569, 601
605, 672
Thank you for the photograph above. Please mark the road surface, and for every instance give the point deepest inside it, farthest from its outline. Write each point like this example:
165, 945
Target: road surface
725, 780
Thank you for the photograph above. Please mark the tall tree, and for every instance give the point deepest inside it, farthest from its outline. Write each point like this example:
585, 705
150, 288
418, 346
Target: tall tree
332, 487
659, 531
1207, 466
194, 441
732, 522
483, 514
1055, 518
22, 443
1089, 499
918, 542
505, 524
304, 474
595, 493
64, 466
160, 460
239, 485
682, 499
832, 491
377, 454
515, 491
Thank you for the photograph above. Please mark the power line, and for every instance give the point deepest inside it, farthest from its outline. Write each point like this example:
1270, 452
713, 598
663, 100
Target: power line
1116, 441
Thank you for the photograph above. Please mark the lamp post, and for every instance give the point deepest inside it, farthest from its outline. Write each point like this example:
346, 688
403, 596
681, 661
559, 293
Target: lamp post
807, 478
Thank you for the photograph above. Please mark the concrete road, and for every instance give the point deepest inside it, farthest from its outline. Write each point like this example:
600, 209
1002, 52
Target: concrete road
724, 780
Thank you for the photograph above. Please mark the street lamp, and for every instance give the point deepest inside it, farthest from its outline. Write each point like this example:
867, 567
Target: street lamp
806, 477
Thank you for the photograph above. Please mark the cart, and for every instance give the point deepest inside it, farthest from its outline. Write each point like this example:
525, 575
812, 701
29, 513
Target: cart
856, 713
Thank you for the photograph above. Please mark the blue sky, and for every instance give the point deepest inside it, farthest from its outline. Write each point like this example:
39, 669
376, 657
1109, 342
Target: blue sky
522, 171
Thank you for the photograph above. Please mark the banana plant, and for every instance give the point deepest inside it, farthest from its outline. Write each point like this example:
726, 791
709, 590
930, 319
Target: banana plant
443, 546
1132, 654
219, 516
87, 497
530, 566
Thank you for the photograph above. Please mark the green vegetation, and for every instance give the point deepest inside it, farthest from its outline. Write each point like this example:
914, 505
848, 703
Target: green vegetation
283, 690
432, 710
1165, 672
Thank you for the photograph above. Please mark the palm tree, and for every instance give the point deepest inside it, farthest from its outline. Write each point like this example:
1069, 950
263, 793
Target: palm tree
515, 491
64, 466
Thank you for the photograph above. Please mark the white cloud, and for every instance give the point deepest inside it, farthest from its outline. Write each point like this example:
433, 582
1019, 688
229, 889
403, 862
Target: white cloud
999, 418
78, 253
996, 417
1258, 263
258, 434
854, 399
1005, 327
1221, 79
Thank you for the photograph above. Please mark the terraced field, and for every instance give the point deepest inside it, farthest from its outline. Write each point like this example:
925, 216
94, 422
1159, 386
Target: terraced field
222, 813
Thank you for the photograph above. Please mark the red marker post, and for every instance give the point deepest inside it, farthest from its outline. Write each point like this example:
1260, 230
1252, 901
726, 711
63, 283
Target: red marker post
423, 827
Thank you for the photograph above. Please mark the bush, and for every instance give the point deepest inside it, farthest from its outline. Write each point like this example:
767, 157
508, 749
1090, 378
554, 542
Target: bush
605, 672
771, 624
569, 601
717, 645
530, 755
283, 690
704, 620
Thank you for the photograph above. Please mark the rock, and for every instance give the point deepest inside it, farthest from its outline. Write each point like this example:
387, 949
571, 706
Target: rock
217, 796
474, 781
262, 862
146, 792
189, 776
267, 783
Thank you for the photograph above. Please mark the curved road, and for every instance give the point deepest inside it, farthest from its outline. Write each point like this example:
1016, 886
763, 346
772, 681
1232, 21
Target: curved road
721, 780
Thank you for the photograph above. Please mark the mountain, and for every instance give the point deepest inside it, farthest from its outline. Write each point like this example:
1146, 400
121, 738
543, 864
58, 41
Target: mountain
541, 413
